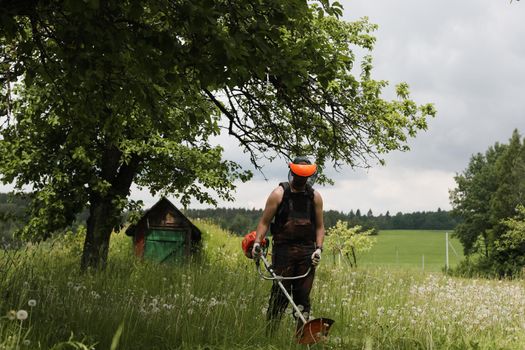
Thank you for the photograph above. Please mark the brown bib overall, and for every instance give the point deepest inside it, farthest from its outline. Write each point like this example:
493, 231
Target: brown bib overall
294, 236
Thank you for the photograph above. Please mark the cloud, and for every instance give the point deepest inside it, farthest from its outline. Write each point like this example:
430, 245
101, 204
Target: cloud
248, 195
391, 189
464, 56
380, 189
467, 57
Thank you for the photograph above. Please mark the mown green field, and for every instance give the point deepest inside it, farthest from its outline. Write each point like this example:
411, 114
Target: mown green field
415, 249
217, 301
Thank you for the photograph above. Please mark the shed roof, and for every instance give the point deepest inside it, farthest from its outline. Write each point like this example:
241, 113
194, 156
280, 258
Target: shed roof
163, 201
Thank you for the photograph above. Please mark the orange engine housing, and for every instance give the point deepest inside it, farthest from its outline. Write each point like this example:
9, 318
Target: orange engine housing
247, 244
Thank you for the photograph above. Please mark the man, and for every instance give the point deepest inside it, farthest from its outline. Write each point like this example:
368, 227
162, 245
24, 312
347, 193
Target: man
298, 234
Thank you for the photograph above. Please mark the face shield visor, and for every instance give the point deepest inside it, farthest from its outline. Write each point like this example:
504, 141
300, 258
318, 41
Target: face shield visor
303, 174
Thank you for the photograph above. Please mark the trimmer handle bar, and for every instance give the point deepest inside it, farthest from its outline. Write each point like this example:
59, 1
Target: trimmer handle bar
274, 276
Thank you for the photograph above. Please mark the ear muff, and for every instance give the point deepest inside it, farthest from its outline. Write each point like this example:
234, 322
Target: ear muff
303, 170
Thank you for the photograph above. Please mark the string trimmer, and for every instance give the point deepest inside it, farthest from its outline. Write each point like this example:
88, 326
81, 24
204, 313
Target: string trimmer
313, 331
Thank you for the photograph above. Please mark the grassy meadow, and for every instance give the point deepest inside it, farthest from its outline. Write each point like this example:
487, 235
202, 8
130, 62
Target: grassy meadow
218, 302
413, 249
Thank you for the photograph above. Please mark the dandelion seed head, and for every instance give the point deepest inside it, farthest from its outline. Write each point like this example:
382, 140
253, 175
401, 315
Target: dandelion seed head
21, 315
31, 302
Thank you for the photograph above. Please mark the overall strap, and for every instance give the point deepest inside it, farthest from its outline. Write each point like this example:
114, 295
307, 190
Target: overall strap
310, 191
287, 190
279, 218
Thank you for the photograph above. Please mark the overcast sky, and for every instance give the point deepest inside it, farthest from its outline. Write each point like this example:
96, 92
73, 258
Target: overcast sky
468, 58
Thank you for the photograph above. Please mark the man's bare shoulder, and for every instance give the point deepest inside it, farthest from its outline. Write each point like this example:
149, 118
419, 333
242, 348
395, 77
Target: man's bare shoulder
317, 196
275, 198
277, 193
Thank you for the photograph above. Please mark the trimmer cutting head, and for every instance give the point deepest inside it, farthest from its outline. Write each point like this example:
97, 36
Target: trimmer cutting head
314, 331
311, 332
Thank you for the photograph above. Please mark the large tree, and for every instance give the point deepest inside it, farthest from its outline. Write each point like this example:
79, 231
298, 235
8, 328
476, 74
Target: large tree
99, 95
471, 200
510, 173
487, 196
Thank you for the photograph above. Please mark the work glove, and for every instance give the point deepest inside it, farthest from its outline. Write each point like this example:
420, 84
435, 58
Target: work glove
256, 250
316, 257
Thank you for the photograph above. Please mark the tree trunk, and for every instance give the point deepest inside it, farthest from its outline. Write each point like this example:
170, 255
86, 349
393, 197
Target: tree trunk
487, 245
100, 224
104, 216
353, 255
348, 260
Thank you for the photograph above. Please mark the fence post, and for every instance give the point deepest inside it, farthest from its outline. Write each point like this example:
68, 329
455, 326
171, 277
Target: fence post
446, 251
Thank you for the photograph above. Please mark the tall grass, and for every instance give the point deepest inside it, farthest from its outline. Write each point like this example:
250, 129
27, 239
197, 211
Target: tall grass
217, 301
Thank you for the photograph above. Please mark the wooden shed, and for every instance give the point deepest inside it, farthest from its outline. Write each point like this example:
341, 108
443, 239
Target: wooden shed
164, 234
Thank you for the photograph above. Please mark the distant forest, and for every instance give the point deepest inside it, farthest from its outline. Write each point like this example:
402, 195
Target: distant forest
242, 221
12, 214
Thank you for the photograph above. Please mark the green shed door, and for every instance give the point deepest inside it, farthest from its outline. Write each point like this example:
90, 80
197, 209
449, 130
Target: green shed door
164, 245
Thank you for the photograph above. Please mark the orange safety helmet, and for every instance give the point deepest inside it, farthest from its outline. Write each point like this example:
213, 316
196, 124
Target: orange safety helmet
303, 170
303, 167
247, 244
